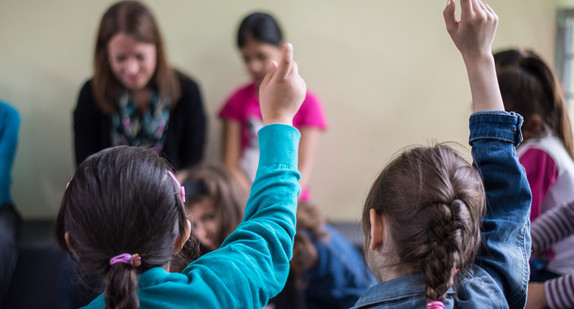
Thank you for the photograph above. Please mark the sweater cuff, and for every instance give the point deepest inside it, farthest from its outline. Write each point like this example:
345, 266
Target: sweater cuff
500, 125
279, 144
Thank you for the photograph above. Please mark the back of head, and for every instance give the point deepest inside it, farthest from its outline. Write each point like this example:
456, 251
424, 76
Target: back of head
432, 201
135, 20
529, 87
121, 200
512, 56
217, 183
260, 27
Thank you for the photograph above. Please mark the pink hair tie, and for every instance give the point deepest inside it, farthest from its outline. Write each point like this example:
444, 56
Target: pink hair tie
436, 304
181, 189
134, 260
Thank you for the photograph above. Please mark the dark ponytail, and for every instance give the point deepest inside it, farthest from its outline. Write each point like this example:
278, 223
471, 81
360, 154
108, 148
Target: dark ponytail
433, 201
121, 283
530, 88
121, 200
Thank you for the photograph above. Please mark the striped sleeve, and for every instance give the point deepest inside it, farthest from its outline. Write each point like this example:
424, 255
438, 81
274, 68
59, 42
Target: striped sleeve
559, 292
553, 226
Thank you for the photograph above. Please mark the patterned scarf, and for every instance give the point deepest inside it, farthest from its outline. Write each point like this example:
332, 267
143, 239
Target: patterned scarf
132, 128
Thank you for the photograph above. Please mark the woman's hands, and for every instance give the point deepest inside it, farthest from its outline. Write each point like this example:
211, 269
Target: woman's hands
282, 91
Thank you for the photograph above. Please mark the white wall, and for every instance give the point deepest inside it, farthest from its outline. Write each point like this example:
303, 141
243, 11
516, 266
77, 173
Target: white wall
386, 71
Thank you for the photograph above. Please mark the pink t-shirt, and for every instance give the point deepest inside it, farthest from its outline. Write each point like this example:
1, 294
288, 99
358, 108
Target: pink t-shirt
243, 106
542, 173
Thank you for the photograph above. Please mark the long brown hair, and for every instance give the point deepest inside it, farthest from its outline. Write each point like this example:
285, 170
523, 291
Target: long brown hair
433, 201
529, 87
135, 20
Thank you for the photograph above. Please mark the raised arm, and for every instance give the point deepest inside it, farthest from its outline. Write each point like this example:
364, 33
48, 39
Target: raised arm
252, 264
494, 134
473, 36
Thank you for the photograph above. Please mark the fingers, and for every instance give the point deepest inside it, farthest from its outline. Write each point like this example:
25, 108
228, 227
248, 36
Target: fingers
286, 61
272, 69
449, 16
466, 9
489, 9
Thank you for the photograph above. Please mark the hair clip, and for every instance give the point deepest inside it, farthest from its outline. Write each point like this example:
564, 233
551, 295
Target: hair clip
133, 259
437, 304
181, 189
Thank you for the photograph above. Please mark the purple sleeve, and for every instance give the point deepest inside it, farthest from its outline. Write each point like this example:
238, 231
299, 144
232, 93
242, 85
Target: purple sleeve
559, 292
552, 226
310, 114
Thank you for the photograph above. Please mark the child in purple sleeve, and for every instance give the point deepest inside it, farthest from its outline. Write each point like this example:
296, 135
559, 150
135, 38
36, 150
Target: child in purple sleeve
551, 227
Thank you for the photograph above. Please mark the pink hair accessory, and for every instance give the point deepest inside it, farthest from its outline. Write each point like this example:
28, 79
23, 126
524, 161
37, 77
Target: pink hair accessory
436, 304
181, 189
133, 259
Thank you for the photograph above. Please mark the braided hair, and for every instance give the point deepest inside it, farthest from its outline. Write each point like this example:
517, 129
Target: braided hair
433, 201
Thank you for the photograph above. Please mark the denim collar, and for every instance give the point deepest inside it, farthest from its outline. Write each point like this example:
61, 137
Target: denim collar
404, 287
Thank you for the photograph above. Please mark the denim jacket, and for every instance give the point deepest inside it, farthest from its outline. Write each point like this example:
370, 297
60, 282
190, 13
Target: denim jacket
340, 276
499, 276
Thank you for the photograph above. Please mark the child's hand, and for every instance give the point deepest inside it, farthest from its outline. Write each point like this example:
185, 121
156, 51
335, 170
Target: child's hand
282, 91
474, 33
473, 36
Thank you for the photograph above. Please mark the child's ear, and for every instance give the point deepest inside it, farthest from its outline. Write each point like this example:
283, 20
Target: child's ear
377, 229
69, 243
182, 239
533, 127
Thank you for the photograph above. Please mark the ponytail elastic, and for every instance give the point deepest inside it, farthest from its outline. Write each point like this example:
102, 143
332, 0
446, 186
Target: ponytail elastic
134, 260
435, 305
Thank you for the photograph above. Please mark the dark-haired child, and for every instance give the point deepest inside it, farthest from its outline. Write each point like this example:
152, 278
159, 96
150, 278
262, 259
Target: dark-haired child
259, 40
123, 218
530, 88
423, 218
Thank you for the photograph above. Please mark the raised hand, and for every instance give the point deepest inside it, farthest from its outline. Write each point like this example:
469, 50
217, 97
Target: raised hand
473, 36
282, 91
474, 33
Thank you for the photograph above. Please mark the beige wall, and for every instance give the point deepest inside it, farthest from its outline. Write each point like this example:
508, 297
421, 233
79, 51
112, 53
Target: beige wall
386, 71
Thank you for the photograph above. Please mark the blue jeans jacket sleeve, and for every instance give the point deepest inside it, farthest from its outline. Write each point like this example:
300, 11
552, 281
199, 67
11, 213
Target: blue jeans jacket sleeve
505, 248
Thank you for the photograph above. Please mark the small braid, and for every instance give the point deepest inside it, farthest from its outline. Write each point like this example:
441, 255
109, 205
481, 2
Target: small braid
445, 244
120, 292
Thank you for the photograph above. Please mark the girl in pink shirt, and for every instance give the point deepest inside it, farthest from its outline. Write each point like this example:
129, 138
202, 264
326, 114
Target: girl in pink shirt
259, 40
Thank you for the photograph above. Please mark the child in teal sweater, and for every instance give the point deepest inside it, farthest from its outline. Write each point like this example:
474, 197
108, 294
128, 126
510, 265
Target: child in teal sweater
122, 217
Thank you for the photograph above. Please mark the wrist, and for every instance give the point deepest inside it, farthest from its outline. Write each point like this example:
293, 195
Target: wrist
278, 120
480, 59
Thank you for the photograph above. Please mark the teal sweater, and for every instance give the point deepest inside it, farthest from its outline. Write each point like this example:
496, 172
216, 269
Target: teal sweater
252, 264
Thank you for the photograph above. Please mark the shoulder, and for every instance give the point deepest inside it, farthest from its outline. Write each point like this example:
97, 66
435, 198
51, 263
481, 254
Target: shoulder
8, 112
311, 113
544, 148
185, 80
240, 100
310, 97
243, 92
86, 93
187, 84
86, 88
